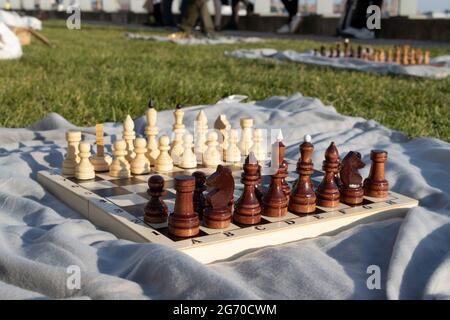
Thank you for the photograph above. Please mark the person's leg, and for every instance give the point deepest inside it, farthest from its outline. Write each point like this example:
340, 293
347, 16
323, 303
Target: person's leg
190, 16
291, 7
235, 13
205, 16
157, 14
167, 13
217, 14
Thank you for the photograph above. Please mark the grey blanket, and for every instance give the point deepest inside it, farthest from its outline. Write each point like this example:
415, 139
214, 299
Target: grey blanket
425, 71
40, 237
194, 40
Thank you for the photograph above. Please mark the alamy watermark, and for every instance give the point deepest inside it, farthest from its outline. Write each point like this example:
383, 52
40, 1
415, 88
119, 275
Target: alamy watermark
73, 22
374, 17
73, 281
373, 282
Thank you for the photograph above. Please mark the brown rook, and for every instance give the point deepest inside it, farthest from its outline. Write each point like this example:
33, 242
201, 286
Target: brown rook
376, 185
156, 210
184, 221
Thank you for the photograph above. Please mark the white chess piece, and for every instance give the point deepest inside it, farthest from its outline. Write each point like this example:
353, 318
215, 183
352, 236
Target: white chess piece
140, 164
152, 132
100, 160
233, 153
178, 129
275, 150
70, 162
188, 159
84, 169
201, 130
164, 162
258, 148
129, 135
246, 138
212, 156
120, 167
223, 126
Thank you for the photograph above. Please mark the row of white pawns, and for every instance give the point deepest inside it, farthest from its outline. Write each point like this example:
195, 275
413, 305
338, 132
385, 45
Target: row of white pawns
136, 155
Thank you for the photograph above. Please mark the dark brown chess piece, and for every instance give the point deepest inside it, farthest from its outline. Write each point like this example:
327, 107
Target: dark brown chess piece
199, 197
316, 52
376, 185
184, 221
359, 52
247, 209
284, 168
328, 192
351, 53
303, 197
338, 50
217, 214
351, 189
323, 51
156, 210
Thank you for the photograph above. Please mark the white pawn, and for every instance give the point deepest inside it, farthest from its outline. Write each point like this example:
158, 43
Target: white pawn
164, 162
151, 131
233, 152
140, 164
188, 159
246, 138
177, 148
212, 156
120, 167
258, 147
70, 162
84, 169
129, 136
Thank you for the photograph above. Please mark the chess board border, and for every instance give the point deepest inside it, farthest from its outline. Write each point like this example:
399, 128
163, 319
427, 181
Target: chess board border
221, 244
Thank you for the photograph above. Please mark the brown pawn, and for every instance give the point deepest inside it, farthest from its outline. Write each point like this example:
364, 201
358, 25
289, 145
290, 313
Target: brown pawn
156, 210
405, 55
376, 185
351, 189
217, 213
359, 52
328, 192
398, 55
184, 221
323, 51
275, 202
303, 198
247, 209
199, 197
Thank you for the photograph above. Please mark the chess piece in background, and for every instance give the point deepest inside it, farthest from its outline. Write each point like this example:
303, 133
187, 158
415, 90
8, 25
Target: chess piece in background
151, 131
100, 161
164, 162
70, 162
120, 167
84, 169
140, 164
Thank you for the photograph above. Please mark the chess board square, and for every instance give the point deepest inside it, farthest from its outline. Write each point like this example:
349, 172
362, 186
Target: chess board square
137, 188
288, 216
105, 176
242, 226
127, 200
341, 206
213, 231
111, 192
97, 185
126, 181
136, 210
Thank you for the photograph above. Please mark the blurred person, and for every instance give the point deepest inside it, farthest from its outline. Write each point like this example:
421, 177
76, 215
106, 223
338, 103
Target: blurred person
192, 11
218, 15
354, 19
167, 15
235, 5
294, 18
153, 8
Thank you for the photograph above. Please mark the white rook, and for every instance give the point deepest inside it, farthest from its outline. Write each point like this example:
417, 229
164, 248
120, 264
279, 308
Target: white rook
324, 7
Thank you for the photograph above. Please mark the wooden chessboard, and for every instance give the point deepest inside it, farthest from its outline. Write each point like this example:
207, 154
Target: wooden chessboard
116, 205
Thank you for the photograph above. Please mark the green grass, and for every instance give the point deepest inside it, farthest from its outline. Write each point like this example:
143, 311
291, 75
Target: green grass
96, 75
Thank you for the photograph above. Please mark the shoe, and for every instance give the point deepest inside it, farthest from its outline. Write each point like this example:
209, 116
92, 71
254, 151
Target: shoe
364, 34
284, 29
295, 23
